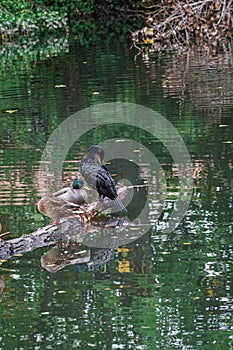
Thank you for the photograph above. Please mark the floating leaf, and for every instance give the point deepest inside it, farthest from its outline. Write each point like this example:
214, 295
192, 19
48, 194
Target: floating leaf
187, 243
2, 261
60, 86
120, 140
10, 111
122, 250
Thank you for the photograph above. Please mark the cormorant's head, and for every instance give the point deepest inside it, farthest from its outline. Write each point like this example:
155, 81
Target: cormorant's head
96, 153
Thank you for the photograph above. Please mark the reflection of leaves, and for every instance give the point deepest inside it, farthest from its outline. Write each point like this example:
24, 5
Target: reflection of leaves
23, 52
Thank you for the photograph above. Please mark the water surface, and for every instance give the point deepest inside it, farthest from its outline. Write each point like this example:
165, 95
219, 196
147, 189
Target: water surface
162, 291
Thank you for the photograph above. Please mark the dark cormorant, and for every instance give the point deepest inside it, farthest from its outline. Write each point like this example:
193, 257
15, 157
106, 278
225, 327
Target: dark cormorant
98, 177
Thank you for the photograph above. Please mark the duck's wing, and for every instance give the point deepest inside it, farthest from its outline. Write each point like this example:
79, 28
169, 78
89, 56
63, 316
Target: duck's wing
61, 192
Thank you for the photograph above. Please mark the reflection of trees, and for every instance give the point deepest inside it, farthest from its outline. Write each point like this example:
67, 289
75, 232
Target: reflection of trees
206, 81
11, 180
2, 286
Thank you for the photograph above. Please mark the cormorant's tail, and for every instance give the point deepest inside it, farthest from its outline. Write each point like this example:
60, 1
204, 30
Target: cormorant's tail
120, 205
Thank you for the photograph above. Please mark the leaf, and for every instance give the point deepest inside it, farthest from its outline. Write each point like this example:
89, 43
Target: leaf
122, 250
2, 261
60, 86
148, 41
10, 111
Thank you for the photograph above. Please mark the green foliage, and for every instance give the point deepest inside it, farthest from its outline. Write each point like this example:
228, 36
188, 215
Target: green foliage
51, 21
25, 18
85, 7
31, 18
29, 25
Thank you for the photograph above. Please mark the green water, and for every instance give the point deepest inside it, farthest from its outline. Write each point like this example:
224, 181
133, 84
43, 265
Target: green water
163, 291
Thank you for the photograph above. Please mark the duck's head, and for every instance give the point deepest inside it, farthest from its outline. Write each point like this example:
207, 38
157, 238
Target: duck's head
96, 153
77, 184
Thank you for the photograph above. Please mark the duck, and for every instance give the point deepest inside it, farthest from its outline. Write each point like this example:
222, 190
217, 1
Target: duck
74, 194
98, 177
56, 207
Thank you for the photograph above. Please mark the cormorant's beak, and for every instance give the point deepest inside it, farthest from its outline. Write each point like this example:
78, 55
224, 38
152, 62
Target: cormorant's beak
98, 158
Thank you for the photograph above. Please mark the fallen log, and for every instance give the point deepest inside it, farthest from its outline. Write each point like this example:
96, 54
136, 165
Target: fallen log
78, 224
